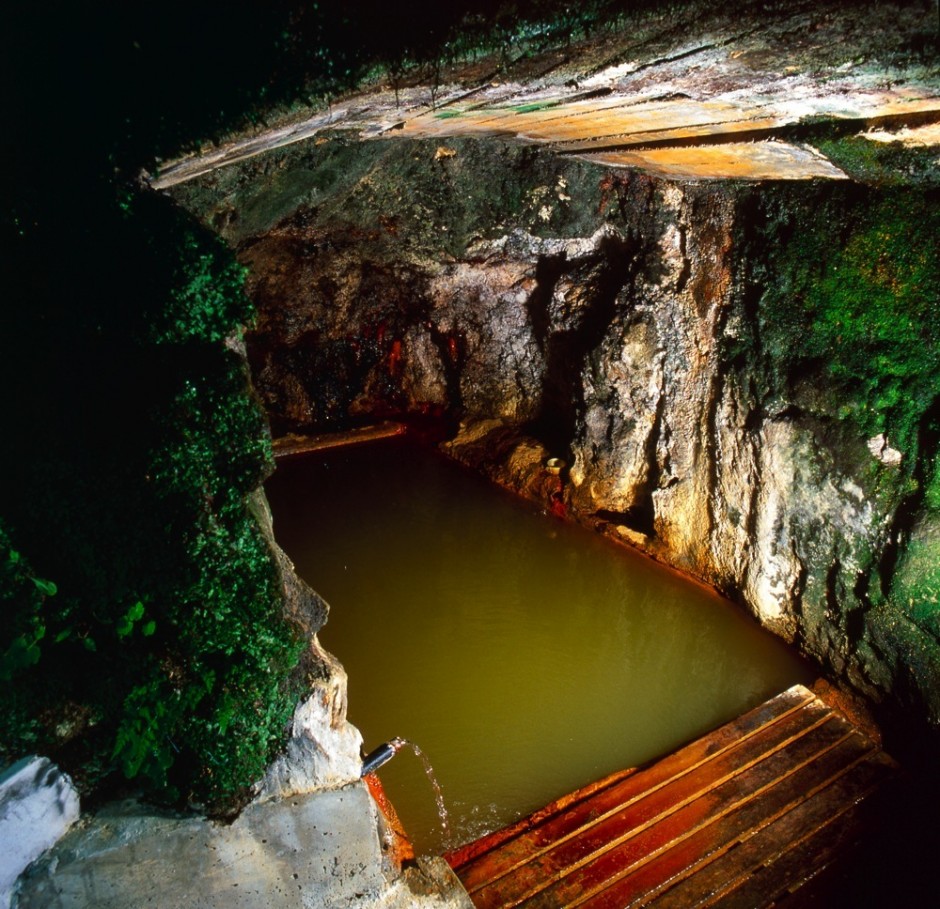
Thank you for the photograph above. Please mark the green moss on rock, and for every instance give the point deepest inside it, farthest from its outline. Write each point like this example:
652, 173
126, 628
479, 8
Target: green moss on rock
883, 163
857, 300
164, 653
844, 287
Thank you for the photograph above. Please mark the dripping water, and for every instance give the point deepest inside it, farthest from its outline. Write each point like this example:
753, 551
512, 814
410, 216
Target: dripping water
435, 787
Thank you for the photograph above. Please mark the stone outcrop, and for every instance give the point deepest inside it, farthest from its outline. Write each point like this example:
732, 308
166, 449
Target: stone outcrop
610, 318
317, 851
323, 750
38, 804
688, 91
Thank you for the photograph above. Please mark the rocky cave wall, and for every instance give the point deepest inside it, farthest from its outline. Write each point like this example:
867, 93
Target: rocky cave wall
548, 306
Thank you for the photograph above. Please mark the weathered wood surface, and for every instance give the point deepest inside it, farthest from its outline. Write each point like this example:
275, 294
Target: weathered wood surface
739, 818
295, 445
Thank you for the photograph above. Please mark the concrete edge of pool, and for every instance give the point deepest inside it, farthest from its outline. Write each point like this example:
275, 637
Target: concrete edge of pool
319, 850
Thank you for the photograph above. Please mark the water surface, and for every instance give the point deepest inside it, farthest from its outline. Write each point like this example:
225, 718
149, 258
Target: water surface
525, 655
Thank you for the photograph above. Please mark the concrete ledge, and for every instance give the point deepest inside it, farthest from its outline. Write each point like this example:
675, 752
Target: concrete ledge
317, 851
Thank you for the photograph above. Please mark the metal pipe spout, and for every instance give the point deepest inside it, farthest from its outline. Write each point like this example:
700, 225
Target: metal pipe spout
381, 755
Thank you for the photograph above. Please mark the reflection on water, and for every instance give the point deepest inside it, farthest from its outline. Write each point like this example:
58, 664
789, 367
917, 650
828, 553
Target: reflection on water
525, 655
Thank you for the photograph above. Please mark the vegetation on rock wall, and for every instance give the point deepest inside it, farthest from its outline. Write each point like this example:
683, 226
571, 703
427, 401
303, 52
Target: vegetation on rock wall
883, 163
850, 328
917, 585
163, 652
856, 299
873, 312
131, 442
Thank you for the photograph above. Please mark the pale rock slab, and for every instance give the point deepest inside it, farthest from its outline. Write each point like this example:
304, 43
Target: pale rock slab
317, 851
38, 804
324, 749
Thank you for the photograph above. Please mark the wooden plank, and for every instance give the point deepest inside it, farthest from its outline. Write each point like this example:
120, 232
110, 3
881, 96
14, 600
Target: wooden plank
762, 729
509, 119
732, 160
550, 109
635, 128
783, 854
681, 134
769, 724
589, 864
463, 855
703, 853
733, 819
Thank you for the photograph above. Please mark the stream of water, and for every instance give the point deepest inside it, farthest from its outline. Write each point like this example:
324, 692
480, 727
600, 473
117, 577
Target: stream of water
526, 655
435, 788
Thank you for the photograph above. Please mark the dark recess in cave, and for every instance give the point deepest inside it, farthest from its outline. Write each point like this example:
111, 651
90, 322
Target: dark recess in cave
567, 348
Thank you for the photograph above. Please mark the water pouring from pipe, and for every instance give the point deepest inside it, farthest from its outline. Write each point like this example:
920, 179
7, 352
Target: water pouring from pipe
385, 752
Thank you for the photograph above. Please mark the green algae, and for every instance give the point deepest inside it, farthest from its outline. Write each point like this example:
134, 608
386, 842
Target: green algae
883, 163
857, 300
843, 285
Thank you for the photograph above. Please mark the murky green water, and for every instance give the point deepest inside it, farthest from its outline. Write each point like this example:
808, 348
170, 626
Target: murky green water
526, 656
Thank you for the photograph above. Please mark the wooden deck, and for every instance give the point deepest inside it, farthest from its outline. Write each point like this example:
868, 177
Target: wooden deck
739, 818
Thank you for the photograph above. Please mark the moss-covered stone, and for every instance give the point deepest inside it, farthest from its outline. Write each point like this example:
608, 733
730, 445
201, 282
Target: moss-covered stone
848, 330
884, 163
163, 654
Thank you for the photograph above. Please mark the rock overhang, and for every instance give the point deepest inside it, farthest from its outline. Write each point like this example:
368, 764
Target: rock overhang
725, 96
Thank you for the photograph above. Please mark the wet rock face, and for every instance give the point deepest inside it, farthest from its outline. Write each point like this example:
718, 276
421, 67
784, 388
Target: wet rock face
557, 308
323, 748
397, 294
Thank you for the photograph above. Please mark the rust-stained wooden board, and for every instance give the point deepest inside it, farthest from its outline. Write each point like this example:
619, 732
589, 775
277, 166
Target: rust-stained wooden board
286, 446
738, 818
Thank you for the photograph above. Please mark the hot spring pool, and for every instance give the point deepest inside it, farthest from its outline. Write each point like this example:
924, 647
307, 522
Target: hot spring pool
526, 656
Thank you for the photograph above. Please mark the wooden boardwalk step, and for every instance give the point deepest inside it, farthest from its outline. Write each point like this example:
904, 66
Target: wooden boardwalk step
735, 818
